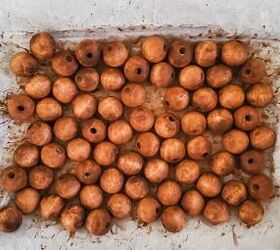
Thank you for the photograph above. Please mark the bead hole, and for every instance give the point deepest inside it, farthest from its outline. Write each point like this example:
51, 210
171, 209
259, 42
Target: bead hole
248, 118
93, 130
138, 71
170, 118
247, 71
205, 154
11, 175
89, 55
20, 108
87, 174
256, 187
138, 145
69, 58
250, 161
182, 50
